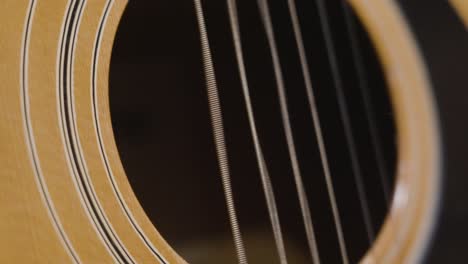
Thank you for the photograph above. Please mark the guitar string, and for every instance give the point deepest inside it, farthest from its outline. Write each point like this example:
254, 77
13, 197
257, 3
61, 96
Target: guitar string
264, 174
351, 144
218, 132
305, 209
368, 107
317, 127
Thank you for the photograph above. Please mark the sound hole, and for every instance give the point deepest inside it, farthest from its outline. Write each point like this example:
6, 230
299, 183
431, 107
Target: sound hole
162, 128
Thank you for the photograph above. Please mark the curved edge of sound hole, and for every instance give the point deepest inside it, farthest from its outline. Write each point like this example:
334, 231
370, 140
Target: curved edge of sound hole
162, 128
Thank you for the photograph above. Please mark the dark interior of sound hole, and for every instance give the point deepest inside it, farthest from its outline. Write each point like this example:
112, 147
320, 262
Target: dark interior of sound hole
162, 128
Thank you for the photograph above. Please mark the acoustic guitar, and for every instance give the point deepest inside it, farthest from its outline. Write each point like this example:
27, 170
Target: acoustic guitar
196, 131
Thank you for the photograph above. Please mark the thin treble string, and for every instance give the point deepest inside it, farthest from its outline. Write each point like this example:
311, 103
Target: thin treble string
218, 133
305, 209
317, 127
364, 87
265, 177
351, 144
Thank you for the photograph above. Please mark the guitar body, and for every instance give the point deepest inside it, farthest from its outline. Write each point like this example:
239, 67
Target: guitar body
448, 84
65, 196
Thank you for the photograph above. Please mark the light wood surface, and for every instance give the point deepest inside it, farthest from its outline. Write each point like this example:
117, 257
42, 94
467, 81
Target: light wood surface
53, 168
461, 6
411, 219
